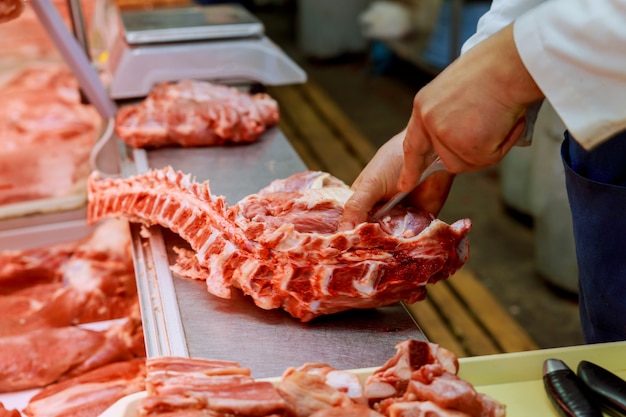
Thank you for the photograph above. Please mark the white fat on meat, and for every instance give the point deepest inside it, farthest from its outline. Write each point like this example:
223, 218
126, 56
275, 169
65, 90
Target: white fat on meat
422, 409
281, 245
180, 385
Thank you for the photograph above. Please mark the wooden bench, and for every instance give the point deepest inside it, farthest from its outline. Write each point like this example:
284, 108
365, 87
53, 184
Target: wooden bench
458, 313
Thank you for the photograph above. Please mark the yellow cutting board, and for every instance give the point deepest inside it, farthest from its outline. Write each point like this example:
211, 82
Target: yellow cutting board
515, 379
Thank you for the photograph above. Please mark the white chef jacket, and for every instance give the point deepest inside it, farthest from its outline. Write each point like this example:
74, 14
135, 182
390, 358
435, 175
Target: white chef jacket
575, 50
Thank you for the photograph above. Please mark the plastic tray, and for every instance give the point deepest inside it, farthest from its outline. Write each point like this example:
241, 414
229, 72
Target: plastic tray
514, 379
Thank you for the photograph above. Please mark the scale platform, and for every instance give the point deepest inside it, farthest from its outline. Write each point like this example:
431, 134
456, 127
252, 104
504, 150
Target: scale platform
219, 43
189, 23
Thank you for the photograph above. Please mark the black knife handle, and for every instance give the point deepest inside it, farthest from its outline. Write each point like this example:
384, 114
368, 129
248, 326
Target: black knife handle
608, 387
567, 391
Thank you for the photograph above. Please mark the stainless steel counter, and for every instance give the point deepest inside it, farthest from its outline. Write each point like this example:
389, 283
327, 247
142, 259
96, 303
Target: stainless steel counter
198, 324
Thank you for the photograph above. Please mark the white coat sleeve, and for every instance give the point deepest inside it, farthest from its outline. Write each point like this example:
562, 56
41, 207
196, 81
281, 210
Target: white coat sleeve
500, 14
575, 51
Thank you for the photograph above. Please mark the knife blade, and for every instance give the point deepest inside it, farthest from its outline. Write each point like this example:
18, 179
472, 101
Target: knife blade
567, 392
435, 166
608, 388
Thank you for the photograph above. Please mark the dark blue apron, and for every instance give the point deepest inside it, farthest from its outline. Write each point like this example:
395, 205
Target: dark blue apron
596, 187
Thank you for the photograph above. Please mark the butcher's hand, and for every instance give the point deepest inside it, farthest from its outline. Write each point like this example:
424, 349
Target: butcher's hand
378, 182
472, 113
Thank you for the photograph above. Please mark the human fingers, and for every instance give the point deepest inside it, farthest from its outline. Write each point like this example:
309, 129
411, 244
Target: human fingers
375, 183
432, 193
417, 154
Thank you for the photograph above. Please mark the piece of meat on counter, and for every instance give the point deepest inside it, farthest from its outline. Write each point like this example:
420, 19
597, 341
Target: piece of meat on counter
282, 246
46, 135
68, 283
314, 387
41, 357
90, 393
195, 113
219, 388
421, 380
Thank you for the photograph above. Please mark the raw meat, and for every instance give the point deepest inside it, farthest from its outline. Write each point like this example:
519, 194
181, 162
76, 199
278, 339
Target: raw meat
10, 9
195, 113
25, 40
313, 387
219, 388
421, 380
40, 357
8, 413
281, 246
418, 381
90, 393
69, 283
46, 136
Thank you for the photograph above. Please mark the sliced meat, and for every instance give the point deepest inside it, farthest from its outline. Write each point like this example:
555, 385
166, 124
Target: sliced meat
421, 380
90, 393
178, 385
307, 392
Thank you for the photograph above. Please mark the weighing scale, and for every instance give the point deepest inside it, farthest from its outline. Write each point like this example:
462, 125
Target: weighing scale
219, 43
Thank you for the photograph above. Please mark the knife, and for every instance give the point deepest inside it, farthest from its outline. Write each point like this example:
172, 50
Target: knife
567, 392
435, 166
608, 388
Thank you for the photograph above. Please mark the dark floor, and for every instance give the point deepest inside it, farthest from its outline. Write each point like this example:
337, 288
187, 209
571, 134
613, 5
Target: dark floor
379, 103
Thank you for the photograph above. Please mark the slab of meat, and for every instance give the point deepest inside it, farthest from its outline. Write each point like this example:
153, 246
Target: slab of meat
281, 246
421, 380
40, 357
68, 283
46, 135
90, 393
218, 388
195, 113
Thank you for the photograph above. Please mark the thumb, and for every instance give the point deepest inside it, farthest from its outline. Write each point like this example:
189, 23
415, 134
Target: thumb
357, 208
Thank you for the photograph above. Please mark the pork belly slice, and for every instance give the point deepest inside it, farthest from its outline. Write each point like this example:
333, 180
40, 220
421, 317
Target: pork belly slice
420, 380
179, 385
281, 246
90, 393
195, 113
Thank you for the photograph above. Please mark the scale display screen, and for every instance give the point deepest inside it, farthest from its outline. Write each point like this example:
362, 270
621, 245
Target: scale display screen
189, 23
